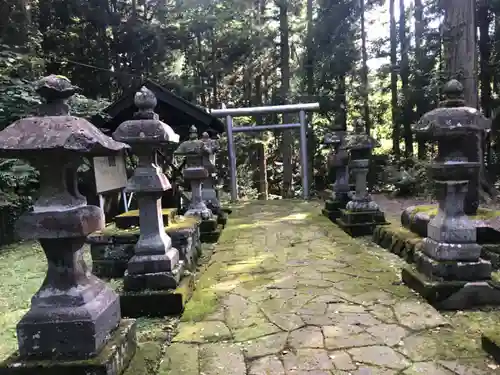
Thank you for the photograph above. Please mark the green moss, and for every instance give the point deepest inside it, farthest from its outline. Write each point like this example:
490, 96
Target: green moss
495, 276
200, 305
22, 272
180, 359
165, 212
146, 359
468, 324
204, 300
181, 223
431, 211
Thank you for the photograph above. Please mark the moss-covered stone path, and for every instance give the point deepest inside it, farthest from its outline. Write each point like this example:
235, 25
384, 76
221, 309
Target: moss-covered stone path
287, 292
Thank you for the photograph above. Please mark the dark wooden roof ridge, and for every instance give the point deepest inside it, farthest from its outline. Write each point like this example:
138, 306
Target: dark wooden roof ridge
164, 95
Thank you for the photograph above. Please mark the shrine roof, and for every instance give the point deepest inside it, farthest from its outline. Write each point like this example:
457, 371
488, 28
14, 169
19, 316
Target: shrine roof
177, 112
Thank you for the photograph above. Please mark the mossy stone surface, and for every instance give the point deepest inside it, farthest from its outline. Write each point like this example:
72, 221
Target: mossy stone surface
398, 240
131, 218
170, 212
112, 232
112, 247
482, 213
156, 303
113, 359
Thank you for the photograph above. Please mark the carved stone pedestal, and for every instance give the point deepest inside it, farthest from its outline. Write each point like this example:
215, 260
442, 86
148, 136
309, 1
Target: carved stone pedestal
157, 303
112, 248
210, 229
358, 224
340, 196
196, 152
156, 265
113, 358
74, 317
449, 271
361, 214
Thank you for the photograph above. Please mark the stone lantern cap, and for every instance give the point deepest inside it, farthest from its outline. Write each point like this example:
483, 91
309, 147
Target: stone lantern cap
359, 140
55, 131
145, 127
334, 138
193, 146
210, 146
452, 116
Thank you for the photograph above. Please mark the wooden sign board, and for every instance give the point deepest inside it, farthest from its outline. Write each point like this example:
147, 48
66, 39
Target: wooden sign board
110, 173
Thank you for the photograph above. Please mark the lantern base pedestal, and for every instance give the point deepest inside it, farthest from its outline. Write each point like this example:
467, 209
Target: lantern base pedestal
113, 359
157, 303
153, 281
69, 331
479, 270
210, 230
452, 294
333, 207
222, 217
112, 248
110, 260
490, 342
360, 223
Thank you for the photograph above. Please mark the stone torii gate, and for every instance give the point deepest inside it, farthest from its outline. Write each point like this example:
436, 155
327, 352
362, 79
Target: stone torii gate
231, 113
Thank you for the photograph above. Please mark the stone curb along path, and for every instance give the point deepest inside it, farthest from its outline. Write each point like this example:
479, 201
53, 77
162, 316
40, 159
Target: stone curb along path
287, 292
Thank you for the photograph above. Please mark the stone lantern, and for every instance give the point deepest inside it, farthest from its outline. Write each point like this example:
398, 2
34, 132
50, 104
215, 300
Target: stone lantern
74, 315
449, 270
197, 153
458, 130
337, 166
208, 192
361, 213
155, 264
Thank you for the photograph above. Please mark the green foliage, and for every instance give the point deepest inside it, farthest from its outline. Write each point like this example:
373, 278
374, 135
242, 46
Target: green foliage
82, 106
226, 51
18, 181
17, 95
406, 177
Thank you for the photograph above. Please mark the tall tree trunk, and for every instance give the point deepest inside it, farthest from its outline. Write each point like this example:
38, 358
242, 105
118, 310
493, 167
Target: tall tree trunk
484, 20
341, 97
461, 63
287, 142
309, 69
364, 71
200, 71
496, 57
215, 81
460, 46
258, 81
421, 106
134, 9
394, 83
406, 112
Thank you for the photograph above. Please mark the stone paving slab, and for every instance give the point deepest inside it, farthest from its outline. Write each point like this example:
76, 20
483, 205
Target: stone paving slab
289, 293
